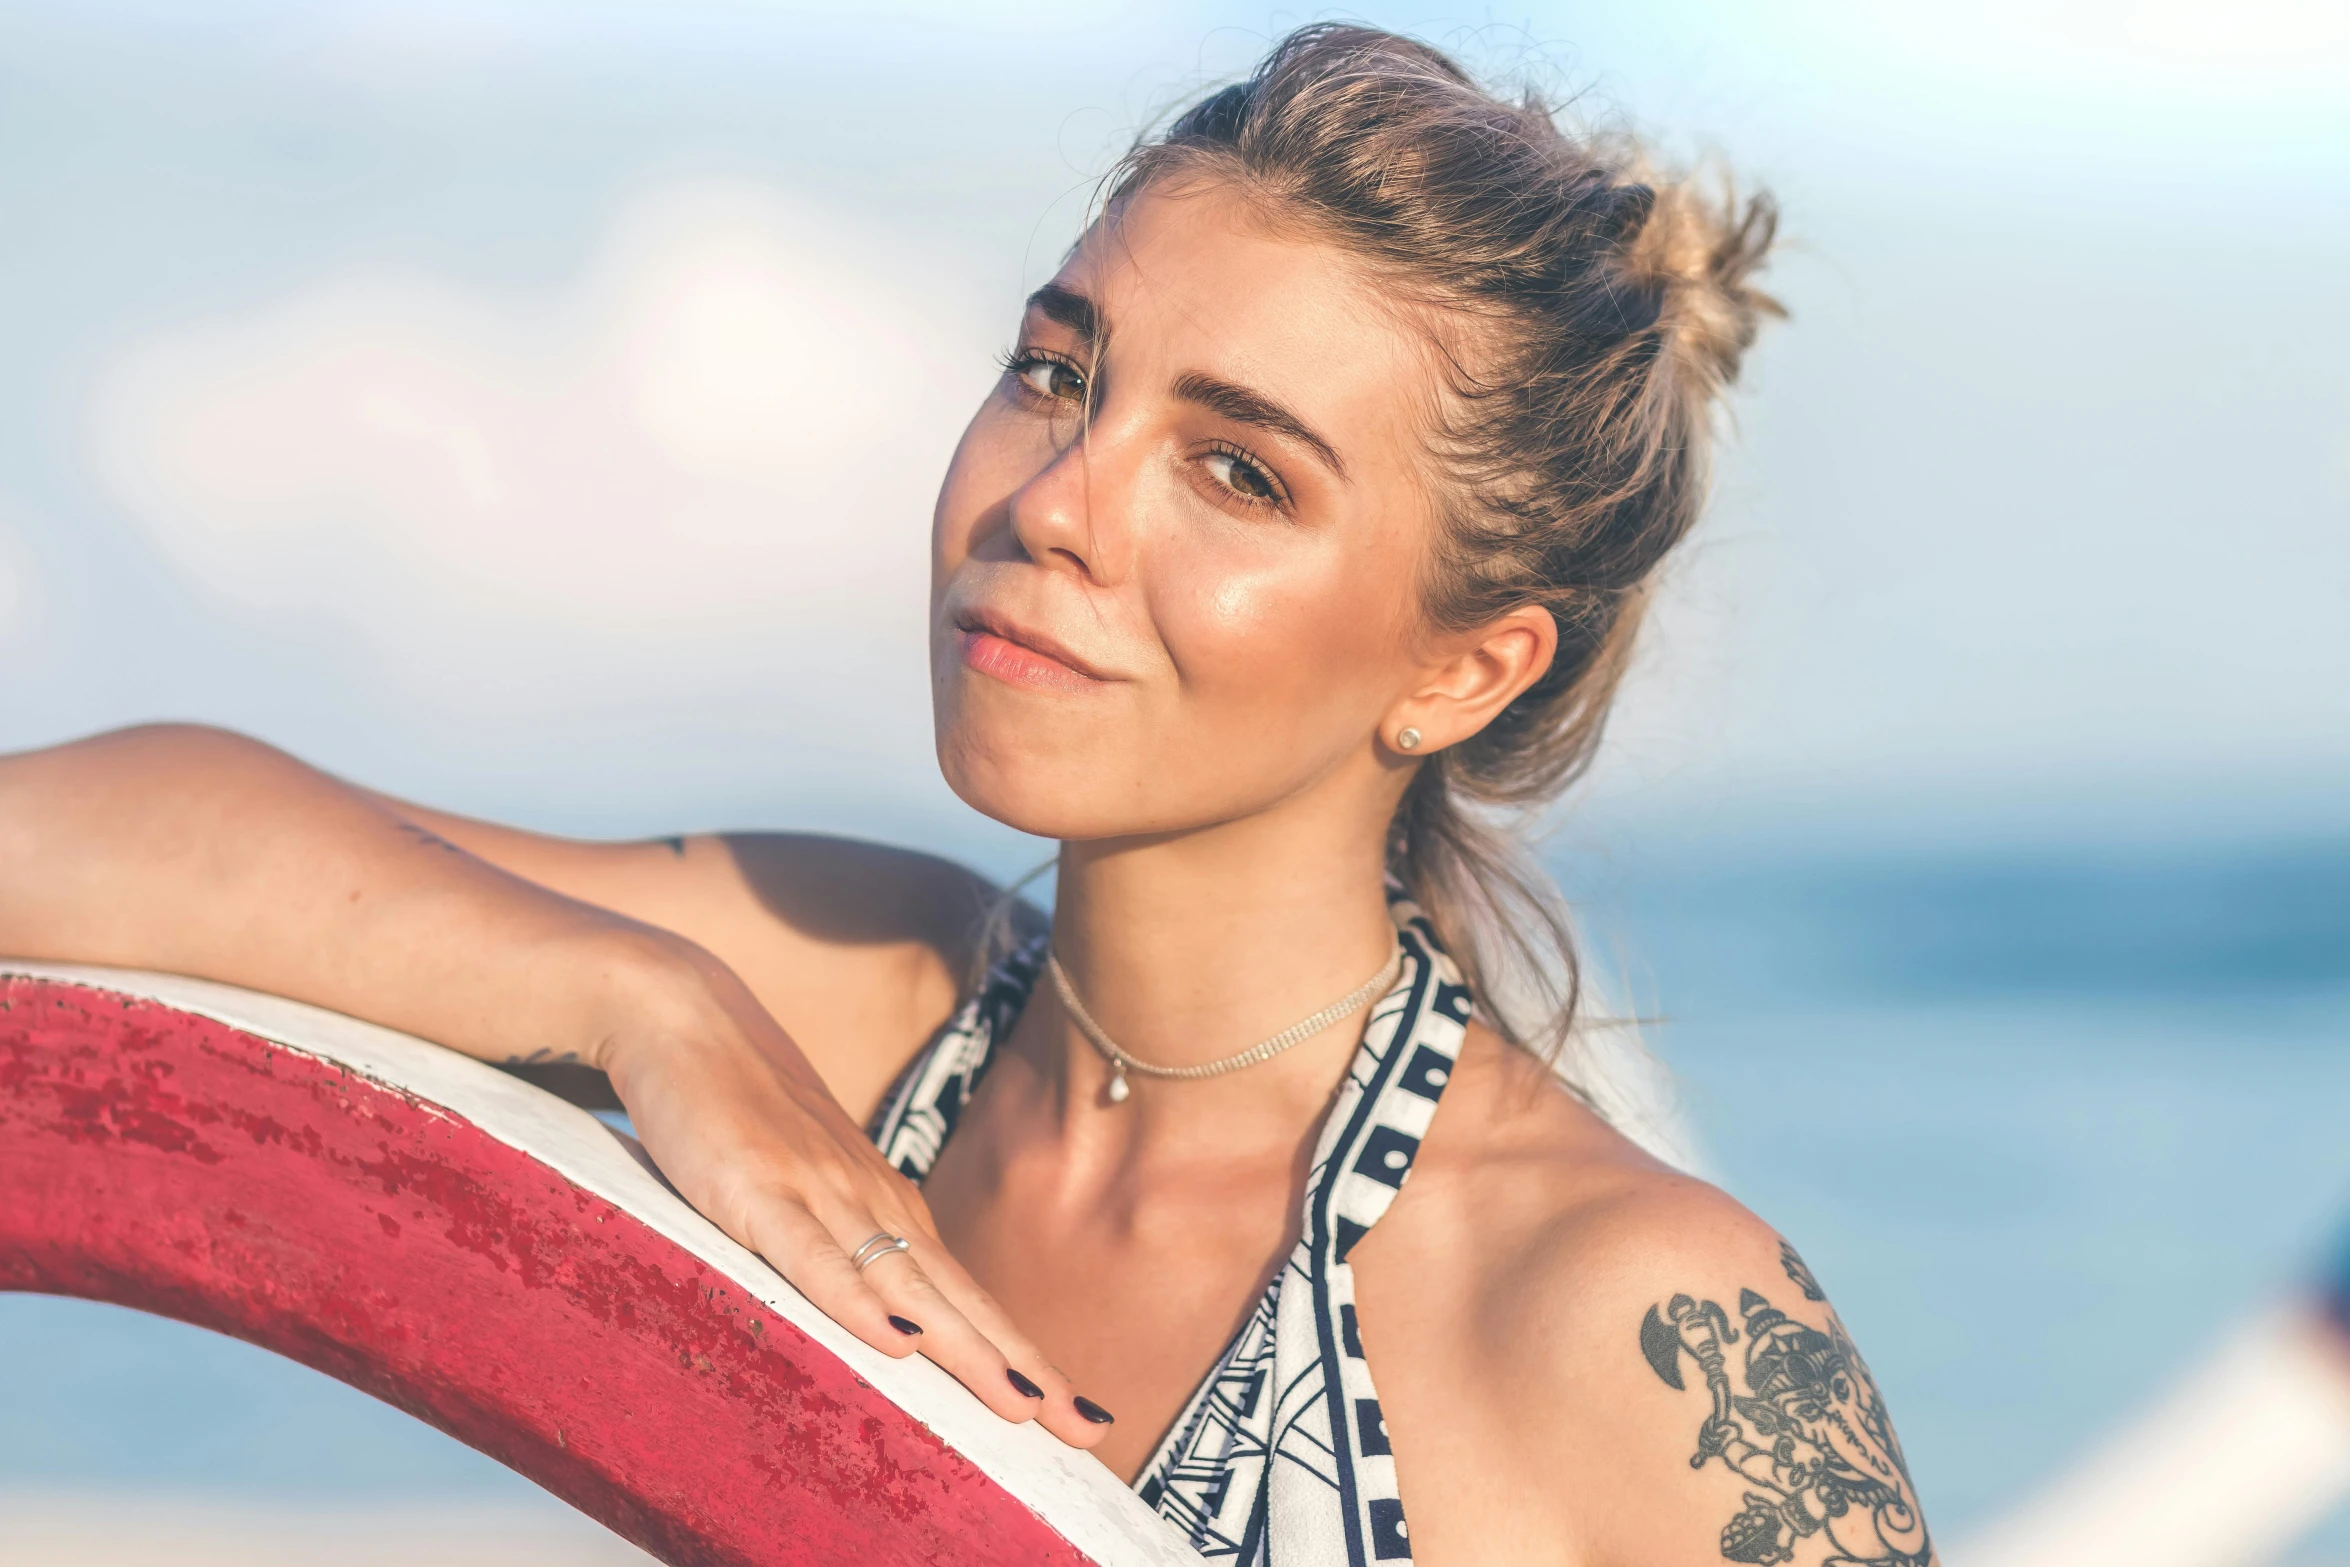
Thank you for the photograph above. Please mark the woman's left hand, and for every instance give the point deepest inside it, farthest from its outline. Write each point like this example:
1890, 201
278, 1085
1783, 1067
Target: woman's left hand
741, 1124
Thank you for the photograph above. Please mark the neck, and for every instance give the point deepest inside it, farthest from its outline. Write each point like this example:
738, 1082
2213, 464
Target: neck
1191, 947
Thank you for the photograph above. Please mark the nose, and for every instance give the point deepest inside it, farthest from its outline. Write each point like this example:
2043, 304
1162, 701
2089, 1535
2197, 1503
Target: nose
1069, 515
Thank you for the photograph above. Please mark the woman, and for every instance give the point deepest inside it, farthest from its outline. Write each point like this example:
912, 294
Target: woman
1313, 512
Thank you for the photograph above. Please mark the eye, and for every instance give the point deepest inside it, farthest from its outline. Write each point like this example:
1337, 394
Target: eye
1047, 376
1244, 476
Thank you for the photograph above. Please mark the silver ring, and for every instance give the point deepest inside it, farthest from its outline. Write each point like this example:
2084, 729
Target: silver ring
880, 1246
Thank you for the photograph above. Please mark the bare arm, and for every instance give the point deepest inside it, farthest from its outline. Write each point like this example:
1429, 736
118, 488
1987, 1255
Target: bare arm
1791, 1453
858, 949
202, 853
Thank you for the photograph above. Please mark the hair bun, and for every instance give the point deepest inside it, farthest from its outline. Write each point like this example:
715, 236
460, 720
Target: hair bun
1708, 247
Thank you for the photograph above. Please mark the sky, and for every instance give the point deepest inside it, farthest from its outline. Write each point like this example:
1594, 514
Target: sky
537, 408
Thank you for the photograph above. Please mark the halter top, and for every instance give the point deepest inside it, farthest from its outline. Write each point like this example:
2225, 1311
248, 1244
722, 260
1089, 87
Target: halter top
1280, 1457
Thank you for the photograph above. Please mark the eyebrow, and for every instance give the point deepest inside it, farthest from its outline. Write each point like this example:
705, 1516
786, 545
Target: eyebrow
1243, 406
1069, 308
1073, 310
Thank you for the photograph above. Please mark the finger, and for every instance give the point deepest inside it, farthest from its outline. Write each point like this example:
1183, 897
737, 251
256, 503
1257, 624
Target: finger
812, 1245
879, 1304
809, 1254
900, 1280
926, 1281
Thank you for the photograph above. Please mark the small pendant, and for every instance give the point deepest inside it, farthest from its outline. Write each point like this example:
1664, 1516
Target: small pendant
1118, 1089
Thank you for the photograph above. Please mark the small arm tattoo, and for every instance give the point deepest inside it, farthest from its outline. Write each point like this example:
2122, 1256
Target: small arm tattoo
1796, 1416
676, 845
543, 1058
429, 838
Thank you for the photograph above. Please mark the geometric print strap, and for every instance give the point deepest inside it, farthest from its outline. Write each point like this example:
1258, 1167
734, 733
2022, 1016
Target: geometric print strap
919, 1112
1281, 1458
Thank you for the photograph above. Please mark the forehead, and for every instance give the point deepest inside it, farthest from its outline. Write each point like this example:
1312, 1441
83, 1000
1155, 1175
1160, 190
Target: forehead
1201, 277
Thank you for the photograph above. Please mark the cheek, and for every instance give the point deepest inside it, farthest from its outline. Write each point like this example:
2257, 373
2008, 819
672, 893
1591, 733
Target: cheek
973, 476
1303, 634
1002, 449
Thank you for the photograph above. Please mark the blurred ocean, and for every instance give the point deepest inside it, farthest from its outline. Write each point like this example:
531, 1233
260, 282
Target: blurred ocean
2044, 1123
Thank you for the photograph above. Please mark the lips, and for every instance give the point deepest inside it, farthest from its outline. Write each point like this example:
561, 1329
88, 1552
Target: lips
994, 646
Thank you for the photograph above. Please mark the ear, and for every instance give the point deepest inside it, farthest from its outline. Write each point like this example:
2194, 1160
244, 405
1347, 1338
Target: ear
1473, 681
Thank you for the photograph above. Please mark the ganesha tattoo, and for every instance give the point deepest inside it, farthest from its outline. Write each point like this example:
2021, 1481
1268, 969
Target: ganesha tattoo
1797, 1417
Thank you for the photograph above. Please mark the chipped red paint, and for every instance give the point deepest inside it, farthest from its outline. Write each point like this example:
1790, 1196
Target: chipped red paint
170, 1163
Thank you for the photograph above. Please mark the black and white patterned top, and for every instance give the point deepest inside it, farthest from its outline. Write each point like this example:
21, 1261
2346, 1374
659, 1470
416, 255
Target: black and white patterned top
1280, 1459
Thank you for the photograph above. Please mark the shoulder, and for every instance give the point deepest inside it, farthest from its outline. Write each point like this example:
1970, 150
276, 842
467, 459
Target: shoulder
1653, 1365
861, 949
847, 892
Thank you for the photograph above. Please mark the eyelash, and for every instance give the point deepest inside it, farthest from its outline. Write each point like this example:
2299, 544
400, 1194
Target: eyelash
1016, 362
1278, 500
1019, 360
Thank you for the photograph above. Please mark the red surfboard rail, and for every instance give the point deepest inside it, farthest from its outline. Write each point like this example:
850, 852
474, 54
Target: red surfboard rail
499, 1263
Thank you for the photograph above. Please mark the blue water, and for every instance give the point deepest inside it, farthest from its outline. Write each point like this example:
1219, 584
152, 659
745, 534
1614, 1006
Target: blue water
2044, 1125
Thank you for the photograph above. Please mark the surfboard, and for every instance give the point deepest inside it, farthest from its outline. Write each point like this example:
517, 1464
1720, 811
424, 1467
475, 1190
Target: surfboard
500, 1263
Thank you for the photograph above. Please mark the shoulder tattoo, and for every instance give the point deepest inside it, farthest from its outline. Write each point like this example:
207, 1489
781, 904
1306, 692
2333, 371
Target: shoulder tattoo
1797, 1417
1799, 1272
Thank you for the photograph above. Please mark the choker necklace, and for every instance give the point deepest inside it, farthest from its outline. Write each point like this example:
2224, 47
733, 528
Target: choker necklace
1121, 1062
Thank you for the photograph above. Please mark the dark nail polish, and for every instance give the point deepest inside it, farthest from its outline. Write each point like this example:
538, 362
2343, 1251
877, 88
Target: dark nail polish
910, 1329
1027, 1388
1094, 1412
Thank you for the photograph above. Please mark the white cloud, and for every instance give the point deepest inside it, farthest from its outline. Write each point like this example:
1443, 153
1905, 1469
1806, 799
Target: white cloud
710, 459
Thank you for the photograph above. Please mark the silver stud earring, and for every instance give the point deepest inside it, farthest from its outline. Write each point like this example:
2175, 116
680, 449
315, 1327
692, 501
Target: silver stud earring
1407, 739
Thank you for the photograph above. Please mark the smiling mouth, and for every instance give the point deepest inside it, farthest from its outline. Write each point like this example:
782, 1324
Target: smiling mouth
1021, 659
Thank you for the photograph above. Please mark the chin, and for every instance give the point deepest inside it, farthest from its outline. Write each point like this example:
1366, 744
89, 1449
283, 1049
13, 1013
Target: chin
1011, 762
1026, 792
1048, 773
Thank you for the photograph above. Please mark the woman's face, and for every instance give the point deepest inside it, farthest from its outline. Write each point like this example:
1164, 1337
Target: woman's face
1198, 599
